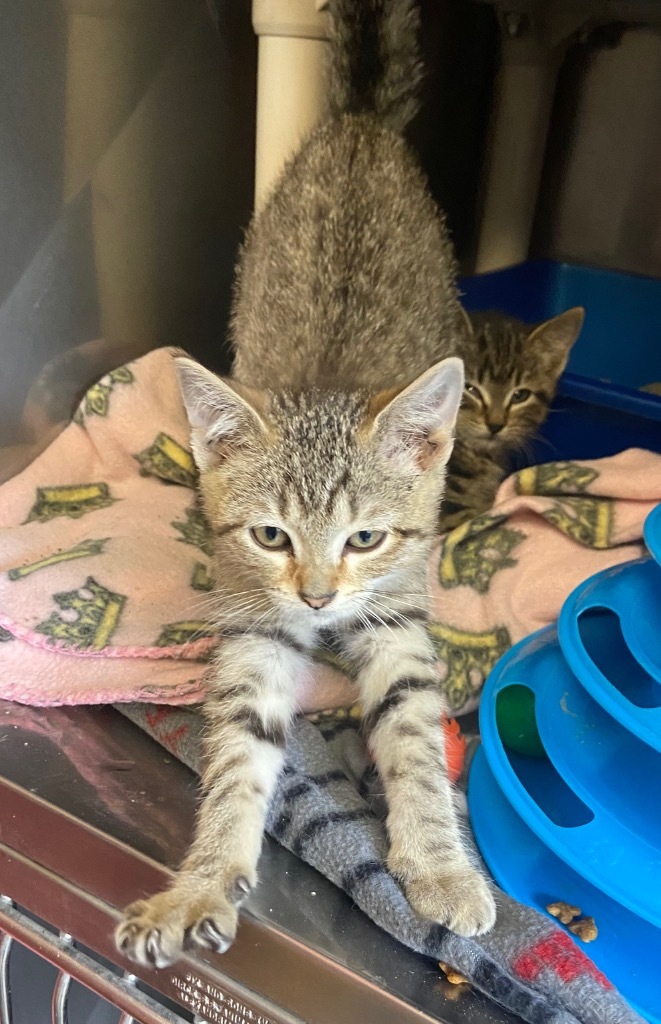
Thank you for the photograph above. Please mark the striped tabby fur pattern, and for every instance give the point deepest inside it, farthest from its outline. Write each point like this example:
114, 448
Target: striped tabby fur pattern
512, 370
322, 465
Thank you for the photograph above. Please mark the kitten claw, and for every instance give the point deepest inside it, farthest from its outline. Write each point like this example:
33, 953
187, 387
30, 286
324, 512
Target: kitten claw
152, 947
240, 889
155, 932
205, 933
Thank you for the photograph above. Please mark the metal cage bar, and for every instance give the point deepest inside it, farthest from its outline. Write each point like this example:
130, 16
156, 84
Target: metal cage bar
6, 944
135, 1006
60, 998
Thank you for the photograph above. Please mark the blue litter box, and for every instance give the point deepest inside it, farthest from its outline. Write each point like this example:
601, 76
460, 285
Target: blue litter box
579, 821
618, 352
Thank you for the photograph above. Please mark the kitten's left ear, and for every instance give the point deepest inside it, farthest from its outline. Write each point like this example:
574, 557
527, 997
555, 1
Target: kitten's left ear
416, 427
224, 416
554, 338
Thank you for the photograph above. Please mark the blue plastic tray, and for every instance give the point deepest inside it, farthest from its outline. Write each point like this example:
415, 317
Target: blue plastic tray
627, 949
618, 351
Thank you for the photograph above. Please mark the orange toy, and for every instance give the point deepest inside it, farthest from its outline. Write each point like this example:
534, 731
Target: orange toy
455, 743
455, 748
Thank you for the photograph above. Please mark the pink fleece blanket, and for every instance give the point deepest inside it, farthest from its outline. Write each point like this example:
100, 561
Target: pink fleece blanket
104, 558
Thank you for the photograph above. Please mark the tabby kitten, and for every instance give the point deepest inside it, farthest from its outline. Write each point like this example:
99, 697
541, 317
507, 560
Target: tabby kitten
512, 370
322, 465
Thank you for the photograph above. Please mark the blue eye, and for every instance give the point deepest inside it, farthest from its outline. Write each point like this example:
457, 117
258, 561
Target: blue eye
365, 540
271, 537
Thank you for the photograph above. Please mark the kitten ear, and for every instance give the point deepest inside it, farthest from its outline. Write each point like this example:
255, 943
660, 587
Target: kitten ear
416, 427
223, 415
554, 338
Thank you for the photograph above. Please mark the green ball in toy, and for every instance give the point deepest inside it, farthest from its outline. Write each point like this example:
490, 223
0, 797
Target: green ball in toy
515, 719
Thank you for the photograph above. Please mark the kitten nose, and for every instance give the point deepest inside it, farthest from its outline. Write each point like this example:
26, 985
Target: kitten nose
317, 601
495, 428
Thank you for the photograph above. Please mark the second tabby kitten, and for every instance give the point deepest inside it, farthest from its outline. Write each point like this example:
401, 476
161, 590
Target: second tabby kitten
512, 371
322, 465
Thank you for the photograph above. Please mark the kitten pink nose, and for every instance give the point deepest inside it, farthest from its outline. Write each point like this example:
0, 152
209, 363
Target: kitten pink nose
317, 602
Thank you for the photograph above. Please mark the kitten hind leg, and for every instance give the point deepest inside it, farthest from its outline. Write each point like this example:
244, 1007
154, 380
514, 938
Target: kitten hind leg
403, 705
248, 712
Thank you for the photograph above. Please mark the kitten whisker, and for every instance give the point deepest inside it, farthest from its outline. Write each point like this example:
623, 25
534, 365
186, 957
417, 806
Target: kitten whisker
228, 599
202, 633
418, 602
242, 613
229, 592
399, 617
547, 443
215, 599
365, 622
411, 601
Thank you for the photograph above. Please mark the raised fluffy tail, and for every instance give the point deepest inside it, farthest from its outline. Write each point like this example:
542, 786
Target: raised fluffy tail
375, 66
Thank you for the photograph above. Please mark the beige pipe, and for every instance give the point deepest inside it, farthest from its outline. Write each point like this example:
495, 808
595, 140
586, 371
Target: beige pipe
534, 43
120, 138
110, 44
519, 127
290, 82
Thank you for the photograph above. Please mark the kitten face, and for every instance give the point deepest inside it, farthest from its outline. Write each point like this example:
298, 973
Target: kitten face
320, 501
512, 370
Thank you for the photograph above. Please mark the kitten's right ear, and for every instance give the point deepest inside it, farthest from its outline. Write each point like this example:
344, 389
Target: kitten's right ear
223, 415
554, 338
415, 427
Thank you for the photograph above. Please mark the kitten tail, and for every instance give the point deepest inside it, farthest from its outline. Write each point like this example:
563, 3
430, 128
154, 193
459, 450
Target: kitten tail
375, 65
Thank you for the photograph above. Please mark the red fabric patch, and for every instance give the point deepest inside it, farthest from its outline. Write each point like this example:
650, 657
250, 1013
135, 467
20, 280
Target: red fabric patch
157, 715
171, 739
527, 965
562, 956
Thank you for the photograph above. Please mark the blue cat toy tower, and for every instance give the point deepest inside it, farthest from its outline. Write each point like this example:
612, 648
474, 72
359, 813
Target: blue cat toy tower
570, 809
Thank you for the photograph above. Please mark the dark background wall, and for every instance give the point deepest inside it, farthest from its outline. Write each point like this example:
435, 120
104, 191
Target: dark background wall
126, 168
127, 154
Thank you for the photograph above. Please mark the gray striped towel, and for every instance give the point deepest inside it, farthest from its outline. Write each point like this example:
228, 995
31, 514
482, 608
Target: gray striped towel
326, 810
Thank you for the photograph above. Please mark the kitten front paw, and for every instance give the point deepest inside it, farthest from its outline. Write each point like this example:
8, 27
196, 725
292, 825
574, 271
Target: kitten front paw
155, 932
460, 899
